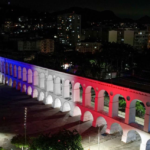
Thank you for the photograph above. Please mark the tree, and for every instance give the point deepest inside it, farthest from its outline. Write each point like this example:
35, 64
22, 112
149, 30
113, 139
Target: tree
19, 141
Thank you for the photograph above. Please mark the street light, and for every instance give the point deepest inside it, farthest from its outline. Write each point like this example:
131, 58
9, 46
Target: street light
25, 118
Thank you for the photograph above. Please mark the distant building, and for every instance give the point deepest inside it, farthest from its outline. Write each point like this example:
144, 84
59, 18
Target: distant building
136, 38
32, 45
69, 29
84, 47
44, 45
47, 45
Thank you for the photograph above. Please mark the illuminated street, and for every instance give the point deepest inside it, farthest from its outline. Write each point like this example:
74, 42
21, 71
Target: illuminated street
43, 119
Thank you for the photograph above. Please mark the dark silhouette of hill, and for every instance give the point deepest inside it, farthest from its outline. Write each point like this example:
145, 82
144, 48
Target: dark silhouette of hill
145, 20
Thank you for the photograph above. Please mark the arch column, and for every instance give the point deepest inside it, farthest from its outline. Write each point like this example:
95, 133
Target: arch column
63, 88
130, 114
96, 102
113, 107
147, 120
83, 97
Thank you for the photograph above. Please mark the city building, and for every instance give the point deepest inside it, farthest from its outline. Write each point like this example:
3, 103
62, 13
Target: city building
69, 29
137, 38
32, 45
47, 45
84, 47
44, 45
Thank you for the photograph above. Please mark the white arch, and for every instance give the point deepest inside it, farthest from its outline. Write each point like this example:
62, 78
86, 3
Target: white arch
24, 74
14, 84
24, 88
41, 96
115, 127
19, 72
88, 97
88, 116
66, 107
77, 92
67, 89
57, 103
11, 69
101, 122
29, 92
58, 86
29, 76
10, 82
35, 93
15, 71
77, 111
42, 80
18, 86
50, 83
132, 135
35, 78
49, 99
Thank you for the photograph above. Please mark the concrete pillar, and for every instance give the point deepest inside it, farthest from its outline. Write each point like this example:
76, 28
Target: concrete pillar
147, 122
96, 107
130, 115
83, 97
113, 107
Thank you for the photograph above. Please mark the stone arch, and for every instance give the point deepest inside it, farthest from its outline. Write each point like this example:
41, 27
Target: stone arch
78, 91
116, 128
77, 111
35, 78
58, 86
18, 86
49, 83
116, 111
19, 72
15, 71
67, 89
57, 103
49, 100
90, 96
101, 122
41, 96
133, 117
42, 80
88, 116
29, 91
35, 93
133, 135
103, 101
14, 84
24, 74
11, 69
10, 82
66, 107
24, 88
29, 76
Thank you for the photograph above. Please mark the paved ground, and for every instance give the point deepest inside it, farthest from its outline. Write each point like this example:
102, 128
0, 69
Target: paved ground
43, 119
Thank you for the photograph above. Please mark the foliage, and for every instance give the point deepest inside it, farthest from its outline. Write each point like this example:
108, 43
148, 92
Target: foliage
140, 110
65, 139
122, 103
1, 148
19, 141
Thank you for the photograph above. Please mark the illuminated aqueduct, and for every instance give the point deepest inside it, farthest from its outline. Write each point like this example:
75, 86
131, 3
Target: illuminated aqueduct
64, 90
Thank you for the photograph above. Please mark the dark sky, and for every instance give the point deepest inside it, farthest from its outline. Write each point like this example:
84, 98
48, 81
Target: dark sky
123, 8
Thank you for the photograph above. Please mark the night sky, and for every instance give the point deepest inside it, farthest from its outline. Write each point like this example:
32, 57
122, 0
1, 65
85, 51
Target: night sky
122, 8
